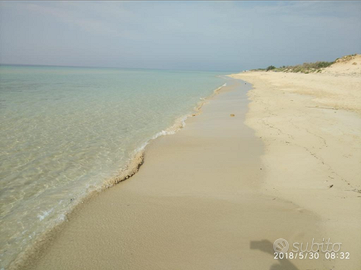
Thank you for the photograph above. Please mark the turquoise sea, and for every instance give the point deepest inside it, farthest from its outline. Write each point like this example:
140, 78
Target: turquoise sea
67, 131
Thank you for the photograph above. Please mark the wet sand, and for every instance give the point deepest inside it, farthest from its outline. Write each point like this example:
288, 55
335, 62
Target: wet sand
197, 202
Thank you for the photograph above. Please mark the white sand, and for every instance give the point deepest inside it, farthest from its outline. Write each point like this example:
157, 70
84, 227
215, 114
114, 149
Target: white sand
311, 128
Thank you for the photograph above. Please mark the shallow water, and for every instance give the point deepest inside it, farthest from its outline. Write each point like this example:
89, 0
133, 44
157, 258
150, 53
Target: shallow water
66, 131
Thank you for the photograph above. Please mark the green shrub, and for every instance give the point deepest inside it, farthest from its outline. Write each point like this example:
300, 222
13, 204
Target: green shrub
304, 68
270, 68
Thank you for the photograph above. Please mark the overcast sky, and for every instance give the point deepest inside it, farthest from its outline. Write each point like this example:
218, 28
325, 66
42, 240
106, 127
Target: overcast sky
228, 36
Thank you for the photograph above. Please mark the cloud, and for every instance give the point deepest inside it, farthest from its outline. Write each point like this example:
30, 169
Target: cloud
179, 34
84, 16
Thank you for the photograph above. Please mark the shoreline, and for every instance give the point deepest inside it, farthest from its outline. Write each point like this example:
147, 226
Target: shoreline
197, 203
137, 158
129, 170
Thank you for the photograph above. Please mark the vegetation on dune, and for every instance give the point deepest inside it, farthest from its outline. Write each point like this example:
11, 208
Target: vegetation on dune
305, 67
345, 58
270, 68
315, 67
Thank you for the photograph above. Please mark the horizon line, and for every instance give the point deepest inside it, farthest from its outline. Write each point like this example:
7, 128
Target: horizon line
94, 67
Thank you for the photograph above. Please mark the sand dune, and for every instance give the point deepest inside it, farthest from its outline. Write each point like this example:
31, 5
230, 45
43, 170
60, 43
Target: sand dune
347, 65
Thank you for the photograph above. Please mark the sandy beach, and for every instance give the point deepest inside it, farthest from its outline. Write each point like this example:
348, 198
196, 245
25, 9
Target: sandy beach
180, 135
238, 176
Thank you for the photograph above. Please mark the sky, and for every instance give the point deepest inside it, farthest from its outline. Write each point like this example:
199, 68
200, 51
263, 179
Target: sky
206, 35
